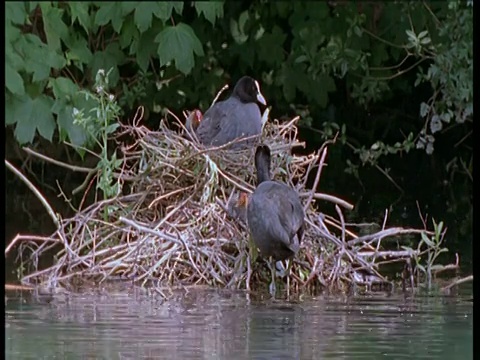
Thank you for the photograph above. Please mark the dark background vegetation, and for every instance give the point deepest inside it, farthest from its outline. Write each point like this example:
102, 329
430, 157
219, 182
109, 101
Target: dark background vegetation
393, 79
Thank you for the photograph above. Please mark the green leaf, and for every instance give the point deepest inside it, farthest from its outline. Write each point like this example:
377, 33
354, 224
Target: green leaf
288, 77
12, 34
439, 227
30, 115
319, 88
110, 58
178, 6
284, 8
78, 50
424, 107
411, 35
144, 50
54, 59
32, 5
12, 103
42, 116
13, 80
237, 29
58, 105
15, 12
245, 53
110, 11
425, 41
427, 240
25, 128
104, 13
178, 43
164, 9
53, 25
270, 46
301, 59
442, 250
379, 54
39, 59
423, 34
63, 87
36, 63
358, 31
422, 268
13, 59
79, 11
210, 9
9, 109
143, 15
129, 34
110, 129
40, 71
129, 6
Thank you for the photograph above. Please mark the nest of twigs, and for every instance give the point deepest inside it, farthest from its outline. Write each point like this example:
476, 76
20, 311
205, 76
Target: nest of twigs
171, 224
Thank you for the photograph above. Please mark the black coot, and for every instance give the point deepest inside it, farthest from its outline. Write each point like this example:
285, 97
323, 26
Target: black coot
275, 215
236, 117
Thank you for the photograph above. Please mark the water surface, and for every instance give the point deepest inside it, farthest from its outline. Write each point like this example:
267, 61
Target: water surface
218, 324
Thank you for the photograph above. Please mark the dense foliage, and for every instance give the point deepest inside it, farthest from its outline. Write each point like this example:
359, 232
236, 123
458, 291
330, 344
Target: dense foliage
389, 77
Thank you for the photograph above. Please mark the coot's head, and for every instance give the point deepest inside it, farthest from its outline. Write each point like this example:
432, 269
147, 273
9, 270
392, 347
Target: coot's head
247, 90
242, 200
237, 206
262, 163
194, 119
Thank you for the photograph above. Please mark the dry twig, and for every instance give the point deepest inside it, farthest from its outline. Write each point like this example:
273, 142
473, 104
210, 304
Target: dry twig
173, 227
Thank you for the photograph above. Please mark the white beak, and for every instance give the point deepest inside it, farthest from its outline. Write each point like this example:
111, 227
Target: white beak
260, 97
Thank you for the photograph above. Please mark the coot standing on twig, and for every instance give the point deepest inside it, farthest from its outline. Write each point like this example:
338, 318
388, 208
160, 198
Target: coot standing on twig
236, 117
275, 215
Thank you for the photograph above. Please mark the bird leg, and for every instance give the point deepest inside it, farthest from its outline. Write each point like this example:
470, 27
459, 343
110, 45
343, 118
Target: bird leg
288, 286
282, 271
289, 266
251, 258
280, 268
249, 271
272, 287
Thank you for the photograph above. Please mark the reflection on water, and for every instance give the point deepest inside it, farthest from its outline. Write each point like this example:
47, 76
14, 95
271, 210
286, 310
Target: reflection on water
135, 324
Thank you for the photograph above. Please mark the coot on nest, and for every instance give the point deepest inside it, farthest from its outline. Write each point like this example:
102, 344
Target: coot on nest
236, 117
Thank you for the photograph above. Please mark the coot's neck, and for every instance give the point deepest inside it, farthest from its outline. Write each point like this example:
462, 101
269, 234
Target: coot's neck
262, 164
240, 94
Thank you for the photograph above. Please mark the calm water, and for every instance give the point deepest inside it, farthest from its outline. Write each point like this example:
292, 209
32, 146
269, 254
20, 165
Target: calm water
201, 324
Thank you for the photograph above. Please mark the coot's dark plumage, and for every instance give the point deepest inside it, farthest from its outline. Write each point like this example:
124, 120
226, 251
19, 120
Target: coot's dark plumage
275, 214
236, 117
